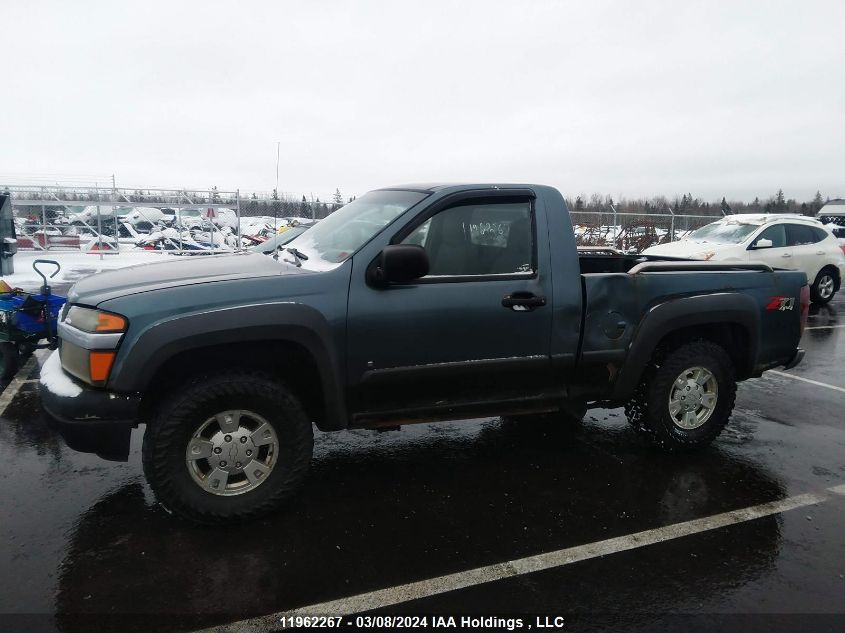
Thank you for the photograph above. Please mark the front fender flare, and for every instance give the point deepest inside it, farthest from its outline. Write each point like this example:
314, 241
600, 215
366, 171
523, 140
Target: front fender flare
283, 322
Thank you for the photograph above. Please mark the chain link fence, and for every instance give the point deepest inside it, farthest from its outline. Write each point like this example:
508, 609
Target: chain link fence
633, 232
109, 219
112, 219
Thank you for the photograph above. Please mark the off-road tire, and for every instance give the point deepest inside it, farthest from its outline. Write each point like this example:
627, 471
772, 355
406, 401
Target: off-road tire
824, 275
648, 410
9, 360
179, 415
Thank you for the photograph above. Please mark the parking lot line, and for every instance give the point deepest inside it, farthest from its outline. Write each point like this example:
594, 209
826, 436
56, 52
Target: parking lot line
17, 382
802, 379
481, 575
823, 327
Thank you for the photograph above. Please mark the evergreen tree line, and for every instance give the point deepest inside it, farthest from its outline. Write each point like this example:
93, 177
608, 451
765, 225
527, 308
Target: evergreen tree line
687, 204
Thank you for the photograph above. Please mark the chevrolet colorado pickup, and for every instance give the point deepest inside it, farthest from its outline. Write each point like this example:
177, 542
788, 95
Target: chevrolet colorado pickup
411, 304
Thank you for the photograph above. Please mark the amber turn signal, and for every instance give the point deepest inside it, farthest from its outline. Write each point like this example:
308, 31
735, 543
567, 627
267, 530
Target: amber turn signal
100, 365
107, 322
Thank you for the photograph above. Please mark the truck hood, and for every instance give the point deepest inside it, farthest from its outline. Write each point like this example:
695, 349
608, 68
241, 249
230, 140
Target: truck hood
180, 271
687, 248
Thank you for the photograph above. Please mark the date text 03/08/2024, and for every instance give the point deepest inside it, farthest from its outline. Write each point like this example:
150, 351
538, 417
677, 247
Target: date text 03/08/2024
424, 622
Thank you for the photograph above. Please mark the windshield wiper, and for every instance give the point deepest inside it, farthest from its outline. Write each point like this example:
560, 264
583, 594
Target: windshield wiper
299, 256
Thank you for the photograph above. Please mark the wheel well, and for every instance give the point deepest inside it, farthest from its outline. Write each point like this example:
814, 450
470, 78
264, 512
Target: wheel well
732, 337
290, 361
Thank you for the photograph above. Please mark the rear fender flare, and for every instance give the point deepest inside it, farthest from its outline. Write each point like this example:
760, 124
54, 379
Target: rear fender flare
675, 314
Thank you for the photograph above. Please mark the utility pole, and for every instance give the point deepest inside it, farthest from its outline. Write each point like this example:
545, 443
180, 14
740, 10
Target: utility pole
114, 215
278, 149
44, 221
238, 209
276, 202
212, 213
615, 226
99, 222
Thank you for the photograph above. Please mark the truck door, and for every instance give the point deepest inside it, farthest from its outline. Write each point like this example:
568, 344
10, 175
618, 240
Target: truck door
477, 326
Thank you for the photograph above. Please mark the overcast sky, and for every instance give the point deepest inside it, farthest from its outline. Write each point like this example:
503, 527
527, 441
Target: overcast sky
624, 98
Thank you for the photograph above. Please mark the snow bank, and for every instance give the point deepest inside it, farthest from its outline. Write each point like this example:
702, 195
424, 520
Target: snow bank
55, 380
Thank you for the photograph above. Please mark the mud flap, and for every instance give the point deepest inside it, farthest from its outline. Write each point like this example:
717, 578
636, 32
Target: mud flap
106, 441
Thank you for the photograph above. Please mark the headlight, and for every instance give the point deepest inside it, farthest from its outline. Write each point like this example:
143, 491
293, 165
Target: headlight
95, 321
91, 365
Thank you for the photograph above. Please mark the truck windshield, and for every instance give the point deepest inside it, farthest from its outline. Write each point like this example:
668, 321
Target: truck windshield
724, 232
333, 240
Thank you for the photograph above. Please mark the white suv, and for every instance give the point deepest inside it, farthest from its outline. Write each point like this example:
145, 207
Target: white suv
782, 241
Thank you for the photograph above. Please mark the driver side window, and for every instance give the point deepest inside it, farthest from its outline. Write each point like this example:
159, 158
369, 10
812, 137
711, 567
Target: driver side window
480, 237
776, 233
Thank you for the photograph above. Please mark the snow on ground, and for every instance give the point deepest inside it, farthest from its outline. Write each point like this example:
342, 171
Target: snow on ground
75, 265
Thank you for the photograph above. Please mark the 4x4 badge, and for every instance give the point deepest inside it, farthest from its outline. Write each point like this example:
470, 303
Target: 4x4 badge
781, 303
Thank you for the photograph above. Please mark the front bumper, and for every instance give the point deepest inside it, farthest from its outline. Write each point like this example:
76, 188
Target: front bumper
796, 358
90, 420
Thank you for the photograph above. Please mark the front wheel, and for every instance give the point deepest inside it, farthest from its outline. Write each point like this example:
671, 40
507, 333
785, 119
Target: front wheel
686, 402
227, 447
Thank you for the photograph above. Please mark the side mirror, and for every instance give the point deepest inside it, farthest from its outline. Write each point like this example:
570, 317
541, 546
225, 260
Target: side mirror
398, 263
764, 243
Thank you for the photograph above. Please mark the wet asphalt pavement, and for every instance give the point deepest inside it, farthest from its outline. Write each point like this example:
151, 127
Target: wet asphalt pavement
85, 546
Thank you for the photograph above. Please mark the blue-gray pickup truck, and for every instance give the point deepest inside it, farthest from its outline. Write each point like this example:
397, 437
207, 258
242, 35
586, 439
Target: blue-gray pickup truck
411, 304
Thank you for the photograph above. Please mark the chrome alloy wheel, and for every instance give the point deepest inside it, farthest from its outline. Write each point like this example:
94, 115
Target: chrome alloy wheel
232, 452
826, 285
693, 398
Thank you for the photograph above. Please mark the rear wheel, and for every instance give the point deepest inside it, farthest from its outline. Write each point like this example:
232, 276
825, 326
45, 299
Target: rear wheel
227, 448
687, 400
824, 287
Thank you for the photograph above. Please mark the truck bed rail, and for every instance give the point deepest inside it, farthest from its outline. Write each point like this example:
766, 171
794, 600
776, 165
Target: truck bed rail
599, 250
702, 266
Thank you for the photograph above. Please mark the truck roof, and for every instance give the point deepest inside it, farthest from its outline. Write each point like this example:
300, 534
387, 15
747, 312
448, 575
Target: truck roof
431, 187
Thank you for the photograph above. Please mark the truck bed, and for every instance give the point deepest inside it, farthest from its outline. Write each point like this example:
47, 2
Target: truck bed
620, 291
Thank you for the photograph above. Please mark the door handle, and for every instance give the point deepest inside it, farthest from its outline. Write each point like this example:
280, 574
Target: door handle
523, 301
787, 255
819, 252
